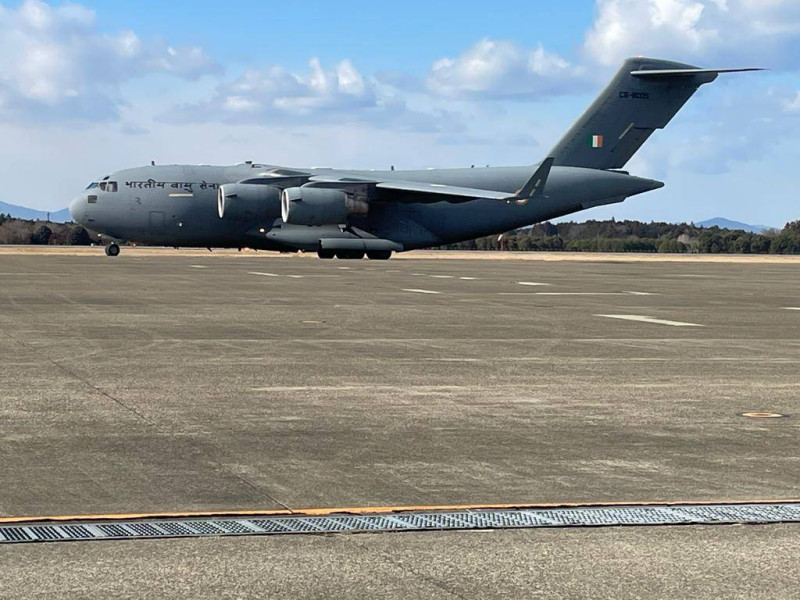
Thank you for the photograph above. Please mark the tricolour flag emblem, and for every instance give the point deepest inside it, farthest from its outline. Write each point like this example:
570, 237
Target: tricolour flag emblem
596, 141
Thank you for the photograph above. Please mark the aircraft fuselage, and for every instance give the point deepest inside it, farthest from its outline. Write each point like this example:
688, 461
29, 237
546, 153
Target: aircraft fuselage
177, 206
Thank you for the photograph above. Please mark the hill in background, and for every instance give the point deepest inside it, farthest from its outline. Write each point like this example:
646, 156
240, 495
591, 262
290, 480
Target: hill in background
724, 223
30, 214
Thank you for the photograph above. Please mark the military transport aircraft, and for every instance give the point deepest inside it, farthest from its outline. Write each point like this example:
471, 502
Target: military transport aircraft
350, 214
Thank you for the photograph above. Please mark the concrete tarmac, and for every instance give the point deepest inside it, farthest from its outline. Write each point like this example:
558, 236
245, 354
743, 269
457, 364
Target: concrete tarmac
172, 382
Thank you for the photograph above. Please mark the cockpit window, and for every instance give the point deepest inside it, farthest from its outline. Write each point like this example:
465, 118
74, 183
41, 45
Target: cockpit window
103, 185
91, 186
111, 186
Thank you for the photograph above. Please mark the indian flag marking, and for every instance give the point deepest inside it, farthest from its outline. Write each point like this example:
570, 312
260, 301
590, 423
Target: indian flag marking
597, 141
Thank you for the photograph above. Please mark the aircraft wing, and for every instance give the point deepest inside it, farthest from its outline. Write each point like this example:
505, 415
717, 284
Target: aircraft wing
440, 189
281, 178
436, 192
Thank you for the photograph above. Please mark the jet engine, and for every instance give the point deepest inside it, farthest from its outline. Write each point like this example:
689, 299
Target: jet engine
248, 202
319, 206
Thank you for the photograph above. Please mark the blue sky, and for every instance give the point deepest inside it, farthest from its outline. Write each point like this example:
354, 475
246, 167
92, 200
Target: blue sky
91, 87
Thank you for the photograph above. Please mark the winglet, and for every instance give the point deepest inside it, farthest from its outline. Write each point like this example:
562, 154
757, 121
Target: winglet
535, 185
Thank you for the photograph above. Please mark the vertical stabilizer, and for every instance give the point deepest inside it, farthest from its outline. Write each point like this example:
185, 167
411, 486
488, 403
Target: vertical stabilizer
643, 96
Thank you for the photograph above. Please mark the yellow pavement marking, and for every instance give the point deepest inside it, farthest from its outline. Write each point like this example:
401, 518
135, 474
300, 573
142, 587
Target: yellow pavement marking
374, 510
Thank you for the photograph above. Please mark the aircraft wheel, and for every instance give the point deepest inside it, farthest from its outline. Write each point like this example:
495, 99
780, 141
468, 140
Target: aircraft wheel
350, 254
379, 255
326, 254
112, 250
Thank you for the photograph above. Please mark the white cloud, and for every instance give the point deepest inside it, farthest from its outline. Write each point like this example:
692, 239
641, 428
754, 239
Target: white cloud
56, 63
701, 30
723, 131
793, 105
340, 94
503, 70
277, 90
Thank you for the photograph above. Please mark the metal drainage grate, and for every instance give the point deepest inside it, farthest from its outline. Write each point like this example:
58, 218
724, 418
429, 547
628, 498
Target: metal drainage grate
521, 518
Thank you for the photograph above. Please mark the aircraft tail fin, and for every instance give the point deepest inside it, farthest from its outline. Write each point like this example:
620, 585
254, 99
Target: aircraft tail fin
643, 96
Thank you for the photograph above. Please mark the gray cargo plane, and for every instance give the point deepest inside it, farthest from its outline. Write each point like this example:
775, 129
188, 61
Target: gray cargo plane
349, 214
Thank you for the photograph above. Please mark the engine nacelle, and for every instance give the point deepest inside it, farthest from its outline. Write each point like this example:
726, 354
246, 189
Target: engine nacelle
318, 206
248, 202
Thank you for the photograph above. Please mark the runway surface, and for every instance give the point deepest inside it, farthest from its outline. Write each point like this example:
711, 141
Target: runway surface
193, 383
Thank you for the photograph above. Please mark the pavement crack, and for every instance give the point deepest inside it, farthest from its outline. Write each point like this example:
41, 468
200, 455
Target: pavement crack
406, 568
219, 464
246, 481
83, 380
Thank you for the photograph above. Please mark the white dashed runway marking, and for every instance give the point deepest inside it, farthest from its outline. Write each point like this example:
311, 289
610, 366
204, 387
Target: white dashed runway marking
416, 291
644, 319
274, 275
532, 283
468, 278
593, 294
791, 308
198, 266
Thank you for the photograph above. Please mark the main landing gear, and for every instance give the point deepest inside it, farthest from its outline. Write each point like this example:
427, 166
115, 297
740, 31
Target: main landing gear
112, 249
355, 254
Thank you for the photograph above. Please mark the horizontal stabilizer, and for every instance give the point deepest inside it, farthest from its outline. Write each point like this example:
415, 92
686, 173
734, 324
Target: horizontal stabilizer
688, 72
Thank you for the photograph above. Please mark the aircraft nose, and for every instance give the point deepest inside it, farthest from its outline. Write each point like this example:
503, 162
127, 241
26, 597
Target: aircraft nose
77, 209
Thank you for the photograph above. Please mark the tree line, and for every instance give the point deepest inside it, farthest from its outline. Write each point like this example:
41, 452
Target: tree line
22, 232
636, 236
589, 236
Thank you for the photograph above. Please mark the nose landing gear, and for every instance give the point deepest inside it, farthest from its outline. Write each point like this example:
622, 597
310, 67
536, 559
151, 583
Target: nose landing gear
112, 249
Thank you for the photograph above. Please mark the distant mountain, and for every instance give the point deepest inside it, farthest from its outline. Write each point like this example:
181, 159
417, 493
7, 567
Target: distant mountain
728, 224
20, 212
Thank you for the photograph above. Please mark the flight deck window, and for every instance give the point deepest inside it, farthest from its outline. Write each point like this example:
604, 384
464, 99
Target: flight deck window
111, 186
103, 185
92, 185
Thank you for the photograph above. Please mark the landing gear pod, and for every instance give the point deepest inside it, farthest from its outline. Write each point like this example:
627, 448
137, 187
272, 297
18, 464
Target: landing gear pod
357, 248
